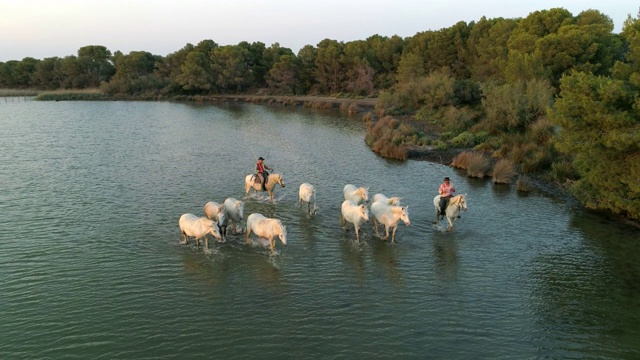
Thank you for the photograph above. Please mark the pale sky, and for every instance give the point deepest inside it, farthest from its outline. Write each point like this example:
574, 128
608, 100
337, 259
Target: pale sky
48, 28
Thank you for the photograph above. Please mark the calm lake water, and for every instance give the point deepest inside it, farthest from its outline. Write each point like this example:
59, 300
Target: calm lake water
91, 264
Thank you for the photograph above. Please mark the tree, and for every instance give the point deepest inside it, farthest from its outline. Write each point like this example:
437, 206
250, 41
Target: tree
329, 69
229, 66
196, 75
411, 66
95, 62
487, 46
599, 121
307, 58
283, 76
47, 74
271, 56
170, 67
383, 55
134, 73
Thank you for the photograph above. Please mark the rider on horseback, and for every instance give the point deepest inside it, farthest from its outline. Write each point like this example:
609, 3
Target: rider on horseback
446, 192
261, 173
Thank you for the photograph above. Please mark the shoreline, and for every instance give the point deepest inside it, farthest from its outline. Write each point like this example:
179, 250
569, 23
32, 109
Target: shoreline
363, 107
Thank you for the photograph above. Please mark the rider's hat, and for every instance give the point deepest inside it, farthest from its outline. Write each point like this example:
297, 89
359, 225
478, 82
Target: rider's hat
260, 158
446, 178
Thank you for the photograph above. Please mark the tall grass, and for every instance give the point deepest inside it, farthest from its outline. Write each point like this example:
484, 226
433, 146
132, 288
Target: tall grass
18, 92
503, 172
461, 161
477, 165
64, 95
523, 184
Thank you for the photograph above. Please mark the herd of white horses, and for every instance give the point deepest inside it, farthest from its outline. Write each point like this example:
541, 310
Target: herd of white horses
385, 211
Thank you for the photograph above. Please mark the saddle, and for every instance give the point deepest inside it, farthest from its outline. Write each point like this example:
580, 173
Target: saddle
256, 179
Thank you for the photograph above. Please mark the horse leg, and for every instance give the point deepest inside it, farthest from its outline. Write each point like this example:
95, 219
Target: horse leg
450, 223
357, 234
393, 235
374, 222
246, 236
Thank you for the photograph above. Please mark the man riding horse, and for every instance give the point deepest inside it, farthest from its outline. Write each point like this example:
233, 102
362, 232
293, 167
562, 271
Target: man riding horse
446, 192
261, 172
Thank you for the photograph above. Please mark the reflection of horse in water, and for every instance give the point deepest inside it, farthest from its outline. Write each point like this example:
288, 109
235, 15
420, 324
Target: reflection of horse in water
456, 203
252, 181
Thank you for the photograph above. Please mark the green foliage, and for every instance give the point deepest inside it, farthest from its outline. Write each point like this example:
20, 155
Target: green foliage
600, 126
563, 171
513, 106
283, 76
487, 47
464, 140
329, 69
228, 65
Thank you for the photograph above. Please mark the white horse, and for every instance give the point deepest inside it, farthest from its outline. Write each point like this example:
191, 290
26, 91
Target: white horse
214, 211
356, 194
307, 194
357, 214
266, 228
198, 228
233, 211
456, 203
389, 216
252, 181
394, 200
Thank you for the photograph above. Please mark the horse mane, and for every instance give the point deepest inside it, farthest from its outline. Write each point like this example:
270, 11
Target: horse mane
280, 226
456, 199
397, 209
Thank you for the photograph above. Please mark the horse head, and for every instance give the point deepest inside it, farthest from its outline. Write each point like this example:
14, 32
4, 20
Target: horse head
461, 202
364, 193
277, 178
405, 216
364, 213
282, 233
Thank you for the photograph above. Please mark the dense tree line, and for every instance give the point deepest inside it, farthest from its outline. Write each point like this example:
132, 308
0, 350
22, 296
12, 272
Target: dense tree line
552, 92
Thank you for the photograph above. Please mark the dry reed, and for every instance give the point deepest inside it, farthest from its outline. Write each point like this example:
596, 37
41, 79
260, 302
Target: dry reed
461, 161
477, 165
503, 172
523, 184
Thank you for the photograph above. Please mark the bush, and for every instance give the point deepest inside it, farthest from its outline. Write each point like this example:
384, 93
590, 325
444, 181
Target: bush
461, 161
537, 161
541, 130
440, 145
563, 171
464, 140
477, 165
513, 106
523, 184
503, 171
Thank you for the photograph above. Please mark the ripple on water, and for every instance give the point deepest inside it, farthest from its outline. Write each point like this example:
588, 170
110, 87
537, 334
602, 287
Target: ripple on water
92, 264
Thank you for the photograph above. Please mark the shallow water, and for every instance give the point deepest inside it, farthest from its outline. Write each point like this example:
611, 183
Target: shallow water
91, 264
